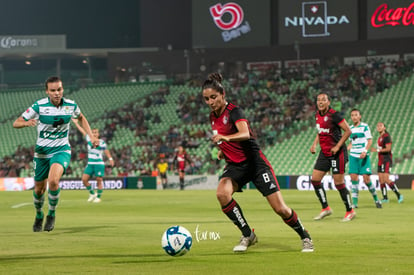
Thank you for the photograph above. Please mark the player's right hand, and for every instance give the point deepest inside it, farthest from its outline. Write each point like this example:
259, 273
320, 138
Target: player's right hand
313, 149
31, 123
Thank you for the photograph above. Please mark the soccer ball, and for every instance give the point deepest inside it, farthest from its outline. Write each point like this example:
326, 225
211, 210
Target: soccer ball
176, 241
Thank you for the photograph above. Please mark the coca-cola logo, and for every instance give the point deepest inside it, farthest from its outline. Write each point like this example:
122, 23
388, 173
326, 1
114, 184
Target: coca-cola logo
234, 10
383, 15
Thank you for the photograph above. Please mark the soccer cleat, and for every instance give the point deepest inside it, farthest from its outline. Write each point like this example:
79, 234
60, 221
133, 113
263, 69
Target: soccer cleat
350, 215
401, 199
307, 245
92, 197
97, 200
50, 223
245, 242
385, 201
378, 204
324, 213
37, 226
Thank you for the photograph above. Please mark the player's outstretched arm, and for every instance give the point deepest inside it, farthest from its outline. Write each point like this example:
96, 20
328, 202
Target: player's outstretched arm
87, 128
21, 123
76, 122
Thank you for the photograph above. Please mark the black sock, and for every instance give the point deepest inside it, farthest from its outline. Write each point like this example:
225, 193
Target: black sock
181, 183
345, 196
384, 191
320, 193
294, 222
235, 214
394, 188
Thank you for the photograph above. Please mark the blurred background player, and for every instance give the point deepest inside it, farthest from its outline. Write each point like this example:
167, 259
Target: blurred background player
180, 159
333, 155
162, 167
52, 117
359, 158
96, 164
384, 149
245, 163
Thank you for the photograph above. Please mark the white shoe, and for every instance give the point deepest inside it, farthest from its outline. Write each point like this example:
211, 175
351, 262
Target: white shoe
245, 242
324, 213
92, 197
307, 245
96, 200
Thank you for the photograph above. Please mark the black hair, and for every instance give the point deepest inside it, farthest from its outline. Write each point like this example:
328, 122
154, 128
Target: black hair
52, 79
355, 109
214, 81
327, 95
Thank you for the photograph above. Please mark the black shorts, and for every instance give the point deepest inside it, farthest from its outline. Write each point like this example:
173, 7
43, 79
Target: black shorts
336, 162
258, 172
385, 167
163, 175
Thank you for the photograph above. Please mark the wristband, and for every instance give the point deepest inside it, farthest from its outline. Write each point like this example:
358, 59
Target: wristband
365, 150
111, 159
378, 150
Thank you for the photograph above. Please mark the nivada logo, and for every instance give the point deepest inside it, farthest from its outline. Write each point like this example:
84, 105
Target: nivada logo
233, 27
315, 20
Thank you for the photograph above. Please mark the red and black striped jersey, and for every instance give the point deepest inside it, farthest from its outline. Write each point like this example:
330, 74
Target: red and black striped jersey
329, 131
383, 140
225, 124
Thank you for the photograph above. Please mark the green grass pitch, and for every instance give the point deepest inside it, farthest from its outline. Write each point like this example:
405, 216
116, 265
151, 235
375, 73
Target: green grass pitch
122, 235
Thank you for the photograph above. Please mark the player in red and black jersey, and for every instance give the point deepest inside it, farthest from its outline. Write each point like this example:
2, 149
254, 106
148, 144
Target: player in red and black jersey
245, 163
180, 159
384, 145
333, 155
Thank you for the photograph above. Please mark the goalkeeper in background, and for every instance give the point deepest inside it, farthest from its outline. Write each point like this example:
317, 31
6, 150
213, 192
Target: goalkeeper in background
162, 167
359, 158
96, 165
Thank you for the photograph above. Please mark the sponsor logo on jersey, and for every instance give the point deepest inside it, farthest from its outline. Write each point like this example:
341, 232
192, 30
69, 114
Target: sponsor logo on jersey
322, 130
225, 120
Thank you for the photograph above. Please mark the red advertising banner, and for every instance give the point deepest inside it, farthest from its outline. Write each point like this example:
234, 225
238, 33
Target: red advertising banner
390, 19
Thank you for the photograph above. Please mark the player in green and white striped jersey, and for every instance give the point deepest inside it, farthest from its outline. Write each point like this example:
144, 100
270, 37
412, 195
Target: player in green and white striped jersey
359, 158
96, 164
52, 116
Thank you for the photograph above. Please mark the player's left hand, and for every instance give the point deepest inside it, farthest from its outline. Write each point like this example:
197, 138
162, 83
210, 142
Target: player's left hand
334, 150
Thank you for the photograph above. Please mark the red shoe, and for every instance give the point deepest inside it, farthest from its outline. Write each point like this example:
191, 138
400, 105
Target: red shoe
324, 213
350, 215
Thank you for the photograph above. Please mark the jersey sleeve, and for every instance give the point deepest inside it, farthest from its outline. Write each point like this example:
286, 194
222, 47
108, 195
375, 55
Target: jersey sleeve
387, 140
237, 114
31, 112
337, 118
76, 111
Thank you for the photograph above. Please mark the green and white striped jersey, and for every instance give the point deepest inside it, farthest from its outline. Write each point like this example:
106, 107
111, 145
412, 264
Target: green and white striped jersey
359, 138
53, 125
95, 155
